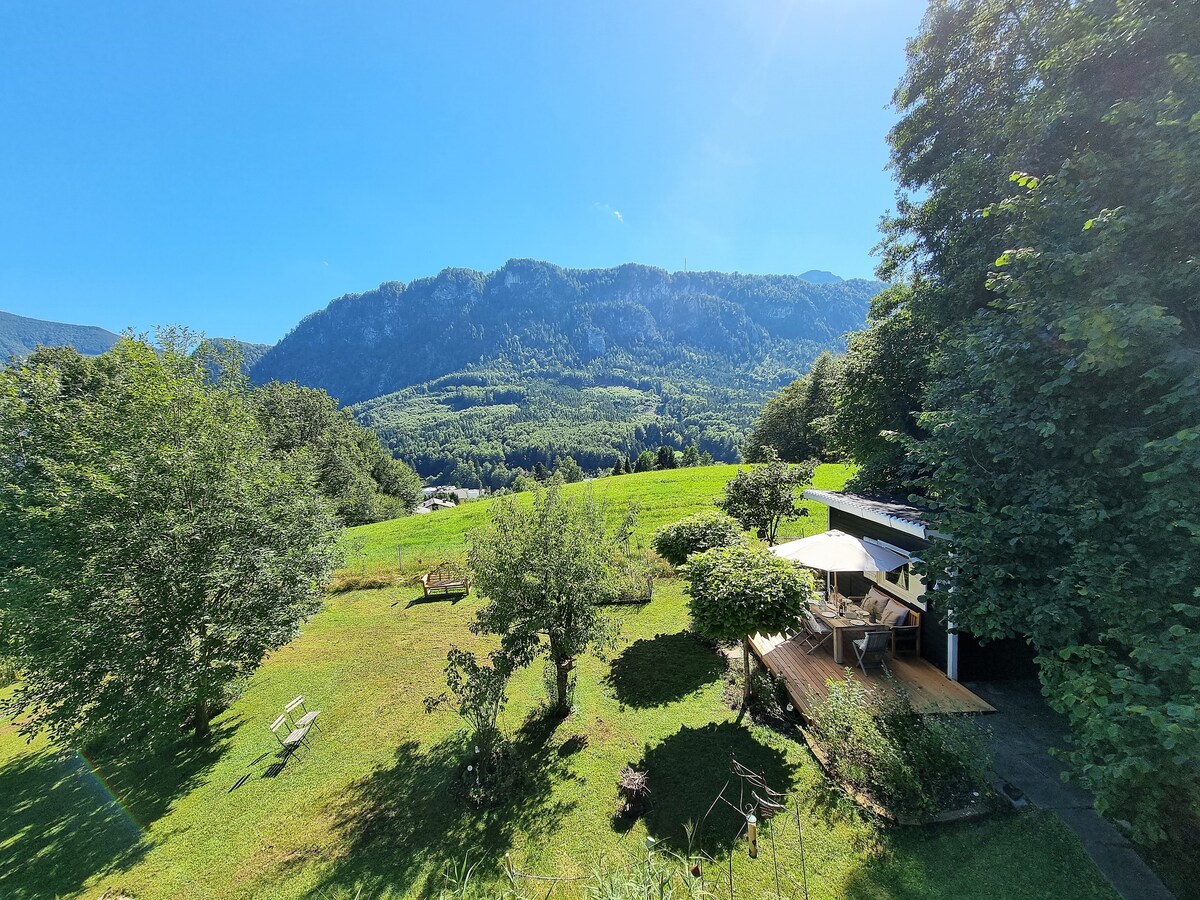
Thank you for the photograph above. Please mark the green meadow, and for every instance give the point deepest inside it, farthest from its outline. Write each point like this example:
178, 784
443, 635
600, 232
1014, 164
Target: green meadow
373, 809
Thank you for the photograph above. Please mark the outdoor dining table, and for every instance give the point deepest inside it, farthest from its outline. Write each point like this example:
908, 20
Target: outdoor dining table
849, 627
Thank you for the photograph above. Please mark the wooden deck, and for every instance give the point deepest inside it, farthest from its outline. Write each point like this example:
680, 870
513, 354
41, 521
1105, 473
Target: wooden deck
928, 687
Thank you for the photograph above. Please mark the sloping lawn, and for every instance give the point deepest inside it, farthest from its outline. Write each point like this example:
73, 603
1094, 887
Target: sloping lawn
372, 810
663, 497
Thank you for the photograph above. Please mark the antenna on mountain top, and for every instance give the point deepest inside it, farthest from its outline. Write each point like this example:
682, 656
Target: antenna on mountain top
685, 264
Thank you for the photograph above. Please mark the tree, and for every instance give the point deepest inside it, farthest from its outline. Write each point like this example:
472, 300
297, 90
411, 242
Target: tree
793, 421
1054, 255
691, 456
739, 591
666, 459
480, 692
540, 472
762, 497
645, 462
153, 548
569, 470
545, 568
619, 466
695, 534
361, 479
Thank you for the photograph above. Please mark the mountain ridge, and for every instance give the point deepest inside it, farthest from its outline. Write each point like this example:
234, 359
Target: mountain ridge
472, 376
21, 335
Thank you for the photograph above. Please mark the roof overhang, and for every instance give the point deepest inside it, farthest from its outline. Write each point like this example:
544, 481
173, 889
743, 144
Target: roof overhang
847, 503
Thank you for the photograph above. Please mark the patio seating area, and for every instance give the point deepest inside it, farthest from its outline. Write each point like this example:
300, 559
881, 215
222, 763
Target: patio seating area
806, 676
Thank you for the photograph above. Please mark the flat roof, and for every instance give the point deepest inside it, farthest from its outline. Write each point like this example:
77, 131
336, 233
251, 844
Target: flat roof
882, 508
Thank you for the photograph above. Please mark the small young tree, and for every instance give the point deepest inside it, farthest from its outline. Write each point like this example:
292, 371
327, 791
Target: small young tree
666, 458
762, 497
620, 467
739, 591
695, 534
480, 692
545, 569
645, 462
691, 456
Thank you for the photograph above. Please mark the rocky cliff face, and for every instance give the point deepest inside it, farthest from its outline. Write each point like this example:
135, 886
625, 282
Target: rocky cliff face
534, 313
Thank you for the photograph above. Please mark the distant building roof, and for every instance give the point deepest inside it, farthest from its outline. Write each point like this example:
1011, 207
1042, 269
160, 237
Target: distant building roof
881, 508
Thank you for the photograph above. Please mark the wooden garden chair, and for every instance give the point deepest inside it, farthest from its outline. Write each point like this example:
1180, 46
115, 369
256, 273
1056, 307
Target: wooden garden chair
870, 649
291, 739
308, 718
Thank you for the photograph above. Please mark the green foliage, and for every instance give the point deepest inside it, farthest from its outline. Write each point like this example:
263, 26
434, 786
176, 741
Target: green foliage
569, 470
666, 459
153, 548
480, 694
793, 421
545, 567
645, 462
691, 456
879, 394
876, 744
695, 534
1054, 254
358, 476
763, 497
737, 591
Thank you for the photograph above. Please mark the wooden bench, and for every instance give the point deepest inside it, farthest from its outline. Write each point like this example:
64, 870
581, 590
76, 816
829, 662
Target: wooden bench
445, 581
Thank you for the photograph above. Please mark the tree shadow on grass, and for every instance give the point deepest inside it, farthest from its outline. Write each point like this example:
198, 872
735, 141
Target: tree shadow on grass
408, 824
686, 774
663, 669
65, 817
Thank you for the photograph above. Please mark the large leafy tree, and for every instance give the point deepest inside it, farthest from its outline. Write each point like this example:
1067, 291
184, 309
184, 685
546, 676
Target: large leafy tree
1060, 443
546, 567
740, 591
762, 497
792, 422
360, 478
152, 547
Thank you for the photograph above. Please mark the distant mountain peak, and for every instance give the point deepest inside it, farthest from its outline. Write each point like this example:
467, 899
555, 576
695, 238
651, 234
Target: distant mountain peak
20, 336
820, 276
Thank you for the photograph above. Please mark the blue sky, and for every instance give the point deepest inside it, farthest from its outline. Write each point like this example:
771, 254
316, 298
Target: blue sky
233, 166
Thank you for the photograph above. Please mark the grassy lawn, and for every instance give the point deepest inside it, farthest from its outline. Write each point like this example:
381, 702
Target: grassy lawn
663, 497
371, 810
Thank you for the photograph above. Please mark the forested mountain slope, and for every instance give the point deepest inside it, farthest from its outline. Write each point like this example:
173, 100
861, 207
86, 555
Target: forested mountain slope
470, 375
20, 336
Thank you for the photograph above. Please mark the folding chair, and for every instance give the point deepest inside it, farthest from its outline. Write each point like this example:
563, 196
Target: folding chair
308, 719
816, 631
295, 737
870, 649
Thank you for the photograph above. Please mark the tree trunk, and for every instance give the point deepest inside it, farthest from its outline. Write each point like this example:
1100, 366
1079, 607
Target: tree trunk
747, 692
200, 720
562, 675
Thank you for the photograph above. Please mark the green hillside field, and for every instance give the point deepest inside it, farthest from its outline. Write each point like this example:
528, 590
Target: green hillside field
373, 808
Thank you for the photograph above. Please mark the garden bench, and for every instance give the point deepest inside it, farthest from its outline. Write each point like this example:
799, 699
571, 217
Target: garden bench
444, 580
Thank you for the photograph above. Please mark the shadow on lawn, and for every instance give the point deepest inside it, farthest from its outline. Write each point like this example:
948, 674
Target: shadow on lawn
66, 817
686, 774
409, 823
663, 669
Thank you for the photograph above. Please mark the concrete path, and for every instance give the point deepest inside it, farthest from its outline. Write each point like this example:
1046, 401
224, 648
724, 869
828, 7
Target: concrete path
1023, 729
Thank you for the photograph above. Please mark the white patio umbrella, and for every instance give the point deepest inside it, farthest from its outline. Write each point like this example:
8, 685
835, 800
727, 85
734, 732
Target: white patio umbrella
835, 551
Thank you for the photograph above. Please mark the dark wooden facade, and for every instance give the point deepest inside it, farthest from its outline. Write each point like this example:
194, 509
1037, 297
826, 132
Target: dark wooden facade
977, 660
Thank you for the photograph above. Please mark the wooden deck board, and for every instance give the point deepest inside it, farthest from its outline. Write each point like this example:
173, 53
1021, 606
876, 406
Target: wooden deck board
807, 675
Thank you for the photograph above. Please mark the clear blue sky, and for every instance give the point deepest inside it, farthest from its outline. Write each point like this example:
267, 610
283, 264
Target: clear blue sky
233, 166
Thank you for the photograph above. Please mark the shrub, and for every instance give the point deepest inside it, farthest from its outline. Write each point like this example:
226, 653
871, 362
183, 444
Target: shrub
877, 745
695, 534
